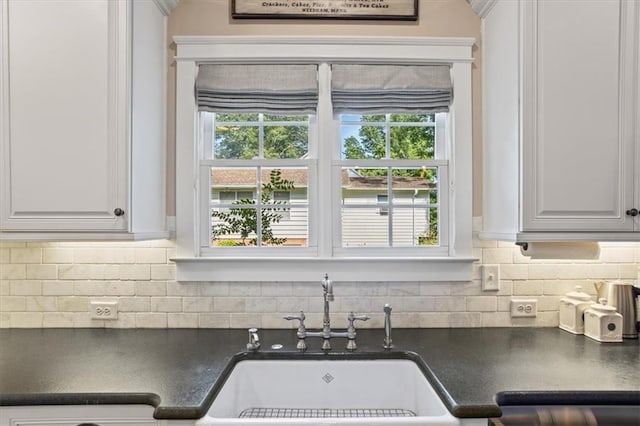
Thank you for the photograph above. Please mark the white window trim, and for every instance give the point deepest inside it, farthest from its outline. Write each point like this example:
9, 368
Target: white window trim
191, 51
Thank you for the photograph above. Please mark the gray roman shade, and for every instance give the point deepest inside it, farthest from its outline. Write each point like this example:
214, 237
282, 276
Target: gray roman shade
276, 89
375, 89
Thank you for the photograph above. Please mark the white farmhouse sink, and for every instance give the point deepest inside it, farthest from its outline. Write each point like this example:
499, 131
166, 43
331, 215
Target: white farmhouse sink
305, 392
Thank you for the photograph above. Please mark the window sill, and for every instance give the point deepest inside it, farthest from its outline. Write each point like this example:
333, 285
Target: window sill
311, 269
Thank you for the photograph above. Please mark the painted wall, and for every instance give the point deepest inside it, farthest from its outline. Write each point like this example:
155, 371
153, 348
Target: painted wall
438, 18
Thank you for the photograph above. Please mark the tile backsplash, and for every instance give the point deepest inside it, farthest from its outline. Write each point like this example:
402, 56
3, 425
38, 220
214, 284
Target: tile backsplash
52, 284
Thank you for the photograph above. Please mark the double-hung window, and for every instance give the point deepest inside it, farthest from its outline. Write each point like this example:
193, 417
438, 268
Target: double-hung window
305, 164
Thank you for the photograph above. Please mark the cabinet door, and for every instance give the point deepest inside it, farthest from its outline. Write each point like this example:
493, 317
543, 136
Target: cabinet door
64, 118
577, 114
73, 415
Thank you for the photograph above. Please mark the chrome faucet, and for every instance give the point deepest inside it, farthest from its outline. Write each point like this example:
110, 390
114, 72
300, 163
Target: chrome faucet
326, 334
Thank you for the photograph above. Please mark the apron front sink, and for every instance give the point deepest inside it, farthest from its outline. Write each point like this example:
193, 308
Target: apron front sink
304, 392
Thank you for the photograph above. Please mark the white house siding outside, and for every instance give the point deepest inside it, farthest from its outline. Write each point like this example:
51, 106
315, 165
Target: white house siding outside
360, 226
294, 227
369, 226
364, 218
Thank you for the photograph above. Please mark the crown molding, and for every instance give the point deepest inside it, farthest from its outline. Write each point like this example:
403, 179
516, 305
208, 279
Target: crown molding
332, 40
482, 7
166, 6
323, 48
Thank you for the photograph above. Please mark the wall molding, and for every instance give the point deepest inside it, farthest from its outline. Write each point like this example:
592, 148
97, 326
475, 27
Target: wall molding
255, 49
166, 6
482, 7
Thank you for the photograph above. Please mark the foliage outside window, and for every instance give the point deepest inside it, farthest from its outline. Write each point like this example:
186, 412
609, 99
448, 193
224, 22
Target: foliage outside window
242, 219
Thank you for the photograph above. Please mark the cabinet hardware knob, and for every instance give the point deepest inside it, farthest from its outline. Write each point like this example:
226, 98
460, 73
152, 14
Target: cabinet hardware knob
633, 212
118, 212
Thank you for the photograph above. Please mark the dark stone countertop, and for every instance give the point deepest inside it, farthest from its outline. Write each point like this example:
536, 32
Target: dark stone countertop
179, 370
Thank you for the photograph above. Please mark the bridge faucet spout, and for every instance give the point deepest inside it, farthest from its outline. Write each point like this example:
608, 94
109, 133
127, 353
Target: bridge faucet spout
327, 288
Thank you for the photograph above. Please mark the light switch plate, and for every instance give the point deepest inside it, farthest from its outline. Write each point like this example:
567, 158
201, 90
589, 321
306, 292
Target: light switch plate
490, 277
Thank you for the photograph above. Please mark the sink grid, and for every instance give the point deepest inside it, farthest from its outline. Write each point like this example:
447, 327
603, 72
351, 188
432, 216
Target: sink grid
262, 413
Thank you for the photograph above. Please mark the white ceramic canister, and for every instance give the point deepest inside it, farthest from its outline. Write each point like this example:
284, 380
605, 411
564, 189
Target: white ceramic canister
603, 323
572, 308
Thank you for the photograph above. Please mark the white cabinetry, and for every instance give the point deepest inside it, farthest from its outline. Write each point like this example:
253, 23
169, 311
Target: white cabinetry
561, 120
70, 415
82, 87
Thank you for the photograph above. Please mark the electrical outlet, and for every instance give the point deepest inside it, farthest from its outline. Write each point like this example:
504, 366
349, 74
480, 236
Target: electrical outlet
490, 277
524, 308
104, 310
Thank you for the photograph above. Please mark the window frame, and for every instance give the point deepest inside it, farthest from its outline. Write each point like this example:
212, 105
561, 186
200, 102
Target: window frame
454, 265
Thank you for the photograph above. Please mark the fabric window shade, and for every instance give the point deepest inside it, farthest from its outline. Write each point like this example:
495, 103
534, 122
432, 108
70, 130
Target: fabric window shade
277, 89
376, 89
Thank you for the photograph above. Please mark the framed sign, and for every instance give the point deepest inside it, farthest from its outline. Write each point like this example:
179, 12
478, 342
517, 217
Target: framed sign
403, 10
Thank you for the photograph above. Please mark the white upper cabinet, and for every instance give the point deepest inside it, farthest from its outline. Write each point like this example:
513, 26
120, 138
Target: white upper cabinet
83, 119
561, 120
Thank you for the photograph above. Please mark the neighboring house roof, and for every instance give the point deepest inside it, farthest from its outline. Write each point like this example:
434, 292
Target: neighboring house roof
231, 177
245, 177
374, 182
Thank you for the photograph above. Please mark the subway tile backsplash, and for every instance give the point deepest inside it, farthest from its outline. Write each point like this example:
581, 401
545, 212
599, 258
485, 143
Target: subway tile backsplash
52, 284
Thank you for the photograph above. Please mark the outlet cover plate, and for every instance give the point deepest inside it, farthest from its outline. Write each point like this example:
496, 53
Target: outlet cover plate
104, 310
524, 308
490, 277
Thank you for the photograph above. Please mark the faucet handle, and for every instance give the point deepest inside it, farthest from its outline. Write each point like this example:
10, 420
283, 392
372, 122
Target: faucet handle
302, 331
301, 317
351, 330
353, 317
